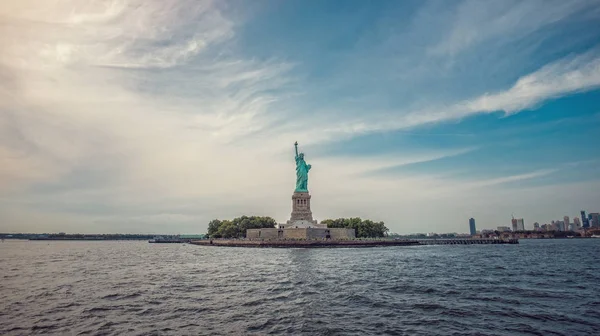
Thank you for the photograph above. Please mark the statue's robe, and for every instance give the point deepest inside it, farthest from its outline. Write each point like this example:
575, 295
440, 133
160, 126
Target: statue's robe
301, 174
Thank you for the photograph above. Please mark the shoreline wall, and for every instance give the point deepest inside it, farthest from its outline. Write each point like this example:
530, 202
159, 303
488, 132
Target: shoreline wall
304, 243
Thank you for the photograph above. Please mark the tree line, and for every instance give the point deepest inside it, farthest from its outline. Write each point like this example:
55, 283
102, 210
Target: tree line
236, 228
363, 228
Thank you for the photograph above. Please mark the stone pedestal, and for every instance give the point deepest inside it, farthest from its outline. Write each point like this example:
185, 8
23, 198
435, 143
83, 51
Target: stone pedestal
301, 216
301, 225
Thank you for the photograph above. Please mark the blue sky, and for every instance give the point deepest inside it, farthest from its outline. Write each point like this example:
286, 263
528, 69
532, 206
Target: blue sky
158, 116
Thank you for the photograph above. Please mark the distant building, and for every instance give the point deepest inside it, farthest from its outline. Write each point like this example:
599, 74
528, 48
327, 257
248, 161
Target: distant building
567, 221
536, 226
584, 220
518, 224
472, 227
594, 219
560, 226
514, 224
577, 222
503, 228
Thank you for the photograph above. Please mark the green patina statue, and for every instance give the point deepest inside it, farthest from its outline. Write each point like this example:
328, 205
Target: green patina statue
301, 171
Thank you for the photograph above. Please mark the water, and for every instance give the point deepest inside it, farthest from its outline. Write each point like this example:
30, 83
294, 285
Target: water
547, 287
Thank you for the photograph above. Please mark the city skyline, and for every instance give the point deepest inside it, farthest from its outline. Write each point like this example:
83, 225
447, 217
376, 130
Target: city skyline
159, 116
592, 221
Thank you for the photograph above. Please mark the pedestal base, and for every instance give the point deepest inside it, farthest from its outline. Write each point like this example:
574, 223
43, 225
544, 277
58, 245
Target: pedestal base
301, 216
302, 224
301, 233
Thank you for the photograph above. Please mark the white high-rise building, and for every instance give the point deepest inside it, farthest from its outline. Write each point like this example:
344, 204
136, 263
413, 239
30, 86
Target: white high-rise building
520, 224
567, 222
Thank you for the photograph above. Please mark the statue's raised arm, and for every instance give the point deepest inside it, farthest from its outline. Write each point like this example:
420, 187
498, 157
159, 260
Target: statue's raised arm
296, 147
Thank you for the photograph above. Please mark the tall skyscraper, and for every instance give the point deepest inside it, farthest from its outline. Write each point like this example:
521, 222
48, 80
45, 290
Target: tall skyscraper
594, 219
520, 224
567, 221
584, 220
577, 223
514, 224
472, 227
536, 226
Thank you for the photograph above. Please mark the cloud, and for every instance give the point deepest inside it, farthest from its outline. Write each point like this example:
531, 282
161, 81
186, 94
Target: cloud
572, 74
65, 110
475, 22
512, 178
128, 34
567, 76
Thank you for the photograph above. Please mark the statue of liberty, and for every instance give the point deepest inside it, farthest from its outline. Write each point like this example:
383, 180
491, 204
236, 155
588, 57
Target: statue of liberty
301, 171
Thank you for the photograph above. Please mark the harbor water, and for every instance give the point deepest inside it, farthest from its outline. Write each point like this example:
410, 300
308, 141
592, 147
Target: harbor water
538, 287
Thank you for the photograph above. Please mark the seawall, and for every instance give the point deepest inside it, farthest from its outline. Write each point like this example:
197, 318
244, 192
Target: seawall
282, 243
483, 241
276, 243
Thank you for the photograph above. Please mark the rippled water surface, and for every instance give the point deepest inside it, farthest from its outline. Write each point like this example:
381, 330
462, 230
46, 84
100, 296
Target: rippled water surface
547, 287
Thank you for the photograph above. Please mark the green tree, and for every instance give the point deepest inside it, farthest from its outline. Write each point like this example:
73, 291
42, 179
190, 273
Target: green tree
227, 229
213, 227
362, 228
236, 228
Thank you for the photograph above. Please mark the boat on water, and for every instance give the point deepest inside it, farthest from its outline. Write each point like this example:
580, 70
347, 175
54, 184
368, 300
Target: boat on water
596, 236
166, 240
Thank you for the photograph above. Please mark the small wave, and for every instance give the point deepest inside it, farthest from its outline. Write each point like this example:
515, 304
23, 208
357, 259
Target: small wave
117, 296
462, 313
44, 327
253, 303
427, 306
110, 296
499, 299
14, 329
97, 309
193, 310
188, 325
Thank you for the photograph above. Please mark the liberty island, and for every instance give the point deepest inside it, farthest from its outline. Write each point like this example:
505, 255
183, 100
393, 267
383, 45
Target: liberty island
302, 230
301, 224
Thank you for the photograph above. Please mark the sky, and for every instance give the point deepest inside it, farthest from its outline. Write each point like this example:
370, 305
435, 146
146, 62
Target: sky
156, 116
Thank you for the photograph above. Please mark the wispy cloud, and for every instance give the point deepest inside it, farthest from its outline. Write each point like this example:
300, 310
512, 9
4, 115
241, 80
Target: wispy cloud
477, 22
129, 34
63, 113
566, 76
512, 178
